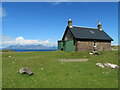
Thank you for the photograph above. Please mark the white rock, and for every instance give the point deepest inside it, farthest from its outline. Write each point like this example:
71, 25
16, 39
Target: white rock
21, 70
100, 65
90, 53
42, 68
9, 56
112, 66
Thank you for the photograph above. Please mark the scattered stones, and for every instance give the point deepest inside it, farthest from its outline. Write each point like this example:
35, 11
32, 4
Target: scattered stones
105, 73
109, 65
112, 66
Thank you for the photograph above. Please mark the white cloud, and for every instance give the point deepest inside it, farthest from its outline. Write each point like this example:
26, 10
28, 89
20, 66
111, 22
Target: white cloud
6, 41
22, 41
56, 2
2, 12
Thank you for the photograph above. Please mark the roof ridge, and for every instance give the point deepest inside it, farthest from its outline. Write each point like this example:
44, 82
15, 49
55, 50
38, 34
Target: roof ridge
85, 27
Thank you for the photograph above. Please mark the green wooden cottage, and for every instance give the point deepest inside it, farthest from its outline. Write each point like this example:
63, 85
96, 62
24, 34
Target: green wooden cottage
77, 38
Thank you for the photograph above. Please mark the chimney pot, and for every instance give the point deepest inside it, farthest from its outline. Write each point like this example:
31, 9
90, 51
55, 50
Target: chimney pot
69, 22
99, 25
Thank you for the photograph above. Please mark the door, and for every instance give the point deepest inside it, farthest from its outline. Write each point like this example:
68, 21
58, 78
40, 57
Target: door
69, 45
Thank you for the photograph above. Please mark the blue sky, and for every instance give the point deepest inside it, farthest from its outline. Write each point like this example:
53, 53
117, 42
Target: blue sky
46, 22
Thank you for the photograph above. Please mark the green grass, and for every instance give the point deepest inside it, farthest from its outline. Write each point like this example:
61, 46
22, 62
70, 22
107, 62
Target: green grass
56, 74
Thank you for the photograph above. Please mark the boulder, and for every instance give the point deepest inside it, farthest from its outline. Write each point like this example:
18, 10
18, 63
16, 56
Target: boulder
112, 66
25, 71
100, 65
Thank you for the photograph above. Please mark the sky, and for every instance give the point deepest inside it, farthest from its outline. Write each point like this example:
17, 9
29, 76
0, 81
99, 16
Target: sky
45, 22
60, 0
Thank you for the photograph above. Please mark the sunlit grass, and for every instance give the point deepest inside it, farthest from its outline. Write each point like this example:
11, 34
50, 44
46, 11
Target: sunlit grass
49, 72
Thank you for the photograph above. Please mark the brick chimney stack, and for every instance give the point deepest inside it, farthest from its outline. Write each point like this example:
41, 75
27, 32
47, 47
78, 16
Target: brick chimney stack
99, 25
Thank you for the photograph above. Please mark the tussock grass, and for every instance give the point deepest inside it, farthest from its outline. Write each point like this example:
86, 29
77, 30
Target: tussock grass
51, 73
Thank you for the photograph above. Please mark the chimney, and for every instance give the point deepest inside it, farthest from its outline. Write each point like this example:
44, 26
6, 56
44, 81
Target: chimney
70, 23
99, 25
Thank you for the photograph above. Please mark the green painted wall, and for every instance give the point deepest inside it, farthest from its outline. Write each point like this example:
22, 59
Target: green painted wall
60, 45
69, 46
66, 46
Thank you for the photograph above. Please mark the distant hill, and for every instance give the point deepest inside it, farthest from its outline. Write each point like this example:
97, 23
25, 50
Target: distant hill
29, 47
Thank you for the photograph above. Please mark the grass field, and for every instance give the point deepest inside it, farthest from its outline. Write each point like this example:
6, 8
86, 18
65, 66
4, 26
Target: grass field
51, 73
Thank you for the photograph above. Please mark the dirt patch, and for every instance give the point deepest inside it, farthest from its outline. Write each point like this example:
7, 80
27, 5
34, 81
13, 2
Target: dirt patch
73, 60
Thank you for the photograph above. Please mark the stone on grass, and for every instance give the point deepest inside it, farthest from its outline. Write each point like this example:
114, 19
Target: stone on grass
42, 68
94, 53
112, 66
109, 65
100, 65
25, 71
9, 56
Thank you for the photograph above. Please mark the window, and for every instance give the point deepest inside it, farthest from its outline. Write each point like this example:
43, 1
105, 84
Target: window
95, 45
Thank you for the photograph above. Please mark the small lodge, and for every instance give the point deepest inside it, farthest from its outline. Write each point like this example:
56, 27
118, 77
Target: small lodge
77, 38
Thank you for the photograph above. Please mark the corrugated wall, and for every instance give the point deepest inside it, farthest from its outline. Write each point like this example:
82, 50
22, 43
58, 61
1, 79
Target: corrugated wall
60, 45
69, 46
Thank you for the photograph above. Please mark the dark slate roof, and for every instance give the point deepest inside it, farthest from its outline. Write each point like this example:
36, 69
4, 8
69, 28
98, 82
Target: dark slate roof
89, 33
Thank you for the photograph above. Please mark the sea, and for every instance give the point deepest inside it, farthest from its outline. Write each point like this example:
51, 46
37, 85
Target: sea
16, 50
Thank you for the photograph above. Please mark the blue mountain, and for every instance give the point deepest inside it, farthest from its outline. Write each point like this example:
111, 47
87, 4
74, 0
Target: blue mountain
29, 47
